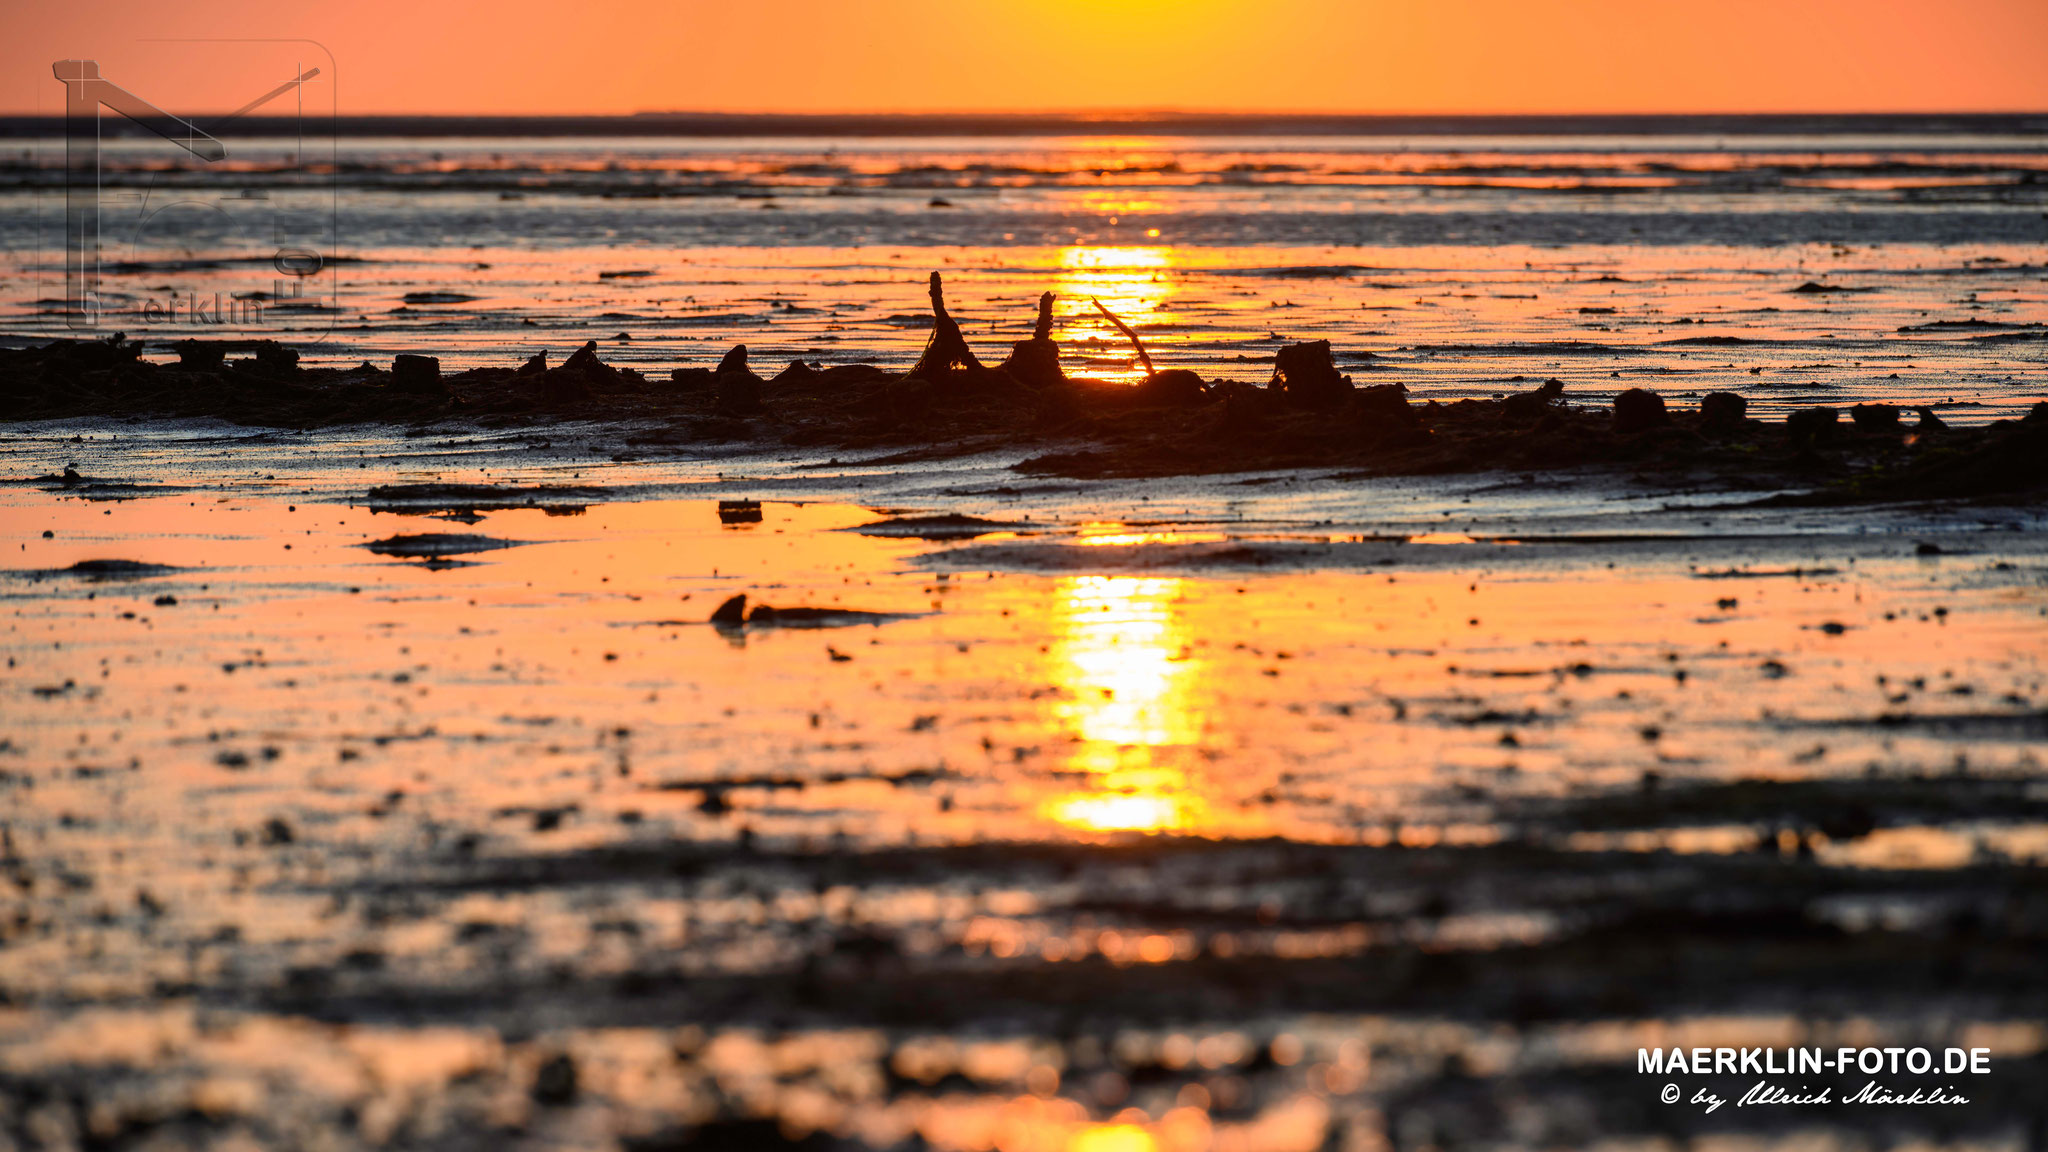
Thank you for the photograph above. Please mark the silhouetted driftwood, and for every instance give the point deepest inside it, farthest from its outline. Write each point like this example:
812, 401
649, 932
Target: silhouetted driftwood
1035, 362
1124, 328
946, 352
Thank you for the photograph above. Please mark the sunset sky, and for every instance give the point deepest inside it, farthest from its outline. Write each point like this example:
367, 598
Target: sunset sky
622, 56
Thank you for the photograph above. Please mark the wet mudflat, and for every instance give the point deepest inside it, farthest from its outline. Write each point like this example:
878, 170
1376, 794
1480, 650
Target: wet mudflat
400, 791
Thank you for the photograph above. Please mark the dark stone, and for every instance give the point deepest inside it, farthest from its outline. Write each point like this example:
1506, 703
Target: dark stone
692, 378
200, 356
1723, 409
739, 390
733, 611
1529, 407
536, 366
274, 357
1381, 401
739, 511
1929, 422
1810, 426
1246, 411
739, 394
1875, 417
1174, 386
555, 1082
798, 374
1307, 376
1384, 419
584, 362
1638, 409
421, 374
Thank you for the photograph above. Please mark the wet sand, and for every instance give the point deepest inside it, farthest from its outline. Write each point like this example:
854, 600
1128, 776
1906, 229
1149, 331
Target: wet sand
400, 792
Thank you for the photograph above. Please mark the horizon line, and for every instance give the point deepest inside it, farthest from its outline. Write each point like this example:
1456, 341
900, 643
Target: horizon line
786, 122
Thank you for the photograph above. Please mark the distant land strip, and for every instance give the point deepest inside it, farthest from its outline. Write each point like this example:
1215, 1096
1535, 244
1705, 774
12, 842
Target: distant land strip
734, 124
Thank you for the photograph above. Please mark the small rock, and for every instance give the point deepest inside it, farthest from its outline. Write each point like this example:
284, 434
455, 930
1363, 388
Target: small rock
1531, 406
739, 511
584, 362
1306, 375
200, 356
276, 358
1809, 426
733, 611
418, 374
1173, 386
798, 374
1722, 409
1875, 417
1638, 409
1383, 407
739, 389
554, 1083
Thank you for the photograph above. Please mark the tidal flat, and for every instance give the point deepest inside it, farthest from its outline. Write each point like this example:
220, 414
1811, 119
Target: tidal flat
1253, 811
387, 760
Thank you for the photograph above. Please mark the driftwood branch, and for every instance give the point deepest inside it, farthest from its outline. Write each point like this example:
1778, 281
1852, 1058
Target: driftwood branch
1122, 327
947, 350
1035, 363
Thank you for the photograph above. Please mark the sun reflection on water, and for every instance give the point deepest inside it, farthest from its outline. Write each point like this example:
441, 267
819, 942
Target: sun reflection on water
1131, 704
1113, 1138
1133, 282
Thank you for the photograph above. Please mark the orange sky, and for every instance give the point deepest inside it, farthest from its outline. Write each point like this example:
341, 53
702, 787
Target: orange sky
615, 56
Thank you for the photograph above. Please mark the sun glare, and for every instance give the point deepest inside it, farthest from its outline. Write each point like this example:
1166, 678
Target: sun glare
1136, 283
1131, 683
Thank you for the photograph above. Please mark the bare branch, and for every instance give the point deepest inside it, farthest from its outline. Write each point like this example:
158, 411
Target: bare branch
1126, 330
